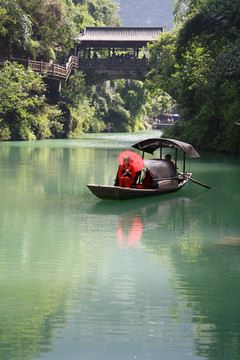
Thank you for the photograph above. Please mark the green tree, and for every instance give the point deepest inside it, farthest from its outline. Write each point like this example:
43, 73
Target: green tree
15, 28
3, 20
135, 98
195, 65
22, 101
109, 106
77, 108
120, 104
50, 27
104, 12
80, 17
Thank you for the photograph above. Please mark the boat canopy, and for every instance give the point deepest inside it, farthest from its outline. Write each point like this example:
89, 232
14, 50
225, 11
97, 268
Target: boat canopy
150, 145
160, 169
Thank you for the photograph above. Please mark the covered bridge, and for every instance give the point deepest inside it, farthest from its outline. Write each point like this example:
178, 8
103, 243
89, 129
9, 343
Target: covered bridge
115, 52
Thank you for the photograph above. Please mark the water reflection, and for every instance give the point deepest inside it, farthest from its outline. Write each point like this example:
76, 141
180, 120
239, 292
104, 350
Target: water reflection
138, 217
206, 283
129, 231
204, 277
148, 279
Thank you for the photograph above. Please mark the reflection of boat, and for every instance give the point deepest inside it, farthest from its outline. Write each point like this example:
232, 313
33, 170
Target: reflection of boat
163, 175
135, 221
150, 208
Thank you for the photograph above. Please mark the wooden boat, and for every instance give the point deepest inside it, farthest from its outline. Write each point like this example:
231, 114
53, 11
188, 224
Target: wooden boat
165, 178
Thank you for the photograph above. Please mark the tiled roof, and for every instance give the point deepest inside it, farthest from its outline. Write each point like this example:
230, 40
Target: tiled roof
122, 34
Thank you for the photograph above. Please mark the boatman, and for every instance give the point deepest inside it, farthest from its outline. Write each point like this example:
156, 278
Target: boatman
168, 157
126, 173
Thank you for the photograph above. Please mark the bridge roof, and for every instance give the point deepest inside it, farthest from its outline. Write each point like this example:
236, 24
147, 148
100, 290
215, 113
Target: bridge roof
118, 36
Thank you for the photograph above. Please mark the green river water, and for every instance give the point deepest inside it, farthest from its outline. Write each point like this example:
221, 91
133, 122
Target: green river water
85, 279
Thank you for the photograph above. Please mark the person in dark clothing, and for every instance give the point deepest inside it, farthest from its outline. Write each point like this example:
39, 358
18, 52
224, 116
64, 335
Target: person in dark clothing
168, 157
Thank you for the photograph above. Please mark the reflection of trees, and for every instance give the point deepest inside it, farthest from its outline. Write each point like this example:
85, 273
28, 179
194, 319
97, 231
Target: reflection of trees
44, 247
209, 287
205, 275
41, 262
28, 319
55, 169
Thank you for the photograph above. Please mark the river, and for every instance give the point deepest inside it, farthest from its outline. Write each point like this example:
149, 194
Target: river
146, 279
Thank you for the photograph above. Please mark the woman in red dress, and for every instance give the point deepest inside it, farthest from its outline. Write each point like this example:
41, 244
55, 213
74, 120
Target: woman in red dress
126, 173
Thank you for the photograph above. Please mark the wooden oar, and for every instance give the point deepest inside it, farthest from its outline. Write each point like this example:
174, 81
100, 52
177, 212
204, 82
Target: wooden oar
196, 181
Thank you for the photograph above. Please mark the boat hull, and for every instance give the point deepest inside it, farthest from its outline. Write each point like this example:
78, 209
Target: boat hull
105, 192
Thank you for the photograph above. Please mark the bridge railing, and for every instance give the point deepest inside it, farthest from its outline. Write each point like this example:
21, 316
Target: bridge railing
71, 64
112, 64
47, 68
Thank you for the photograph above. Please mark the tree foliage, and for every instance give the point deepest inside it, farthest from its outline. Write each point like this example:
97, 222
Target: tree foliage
104, 12
15, 28
120, 104
23, 113
198, 65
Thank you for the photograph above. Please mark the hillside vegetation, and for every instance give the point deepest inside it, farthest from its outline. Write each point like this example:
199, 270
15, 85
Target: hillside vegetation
197, 63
